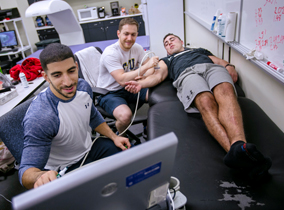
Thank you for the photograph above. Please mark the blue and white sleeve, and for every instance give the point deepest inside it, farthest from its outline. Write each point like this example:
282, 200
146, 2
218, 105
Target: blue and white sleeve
38, 135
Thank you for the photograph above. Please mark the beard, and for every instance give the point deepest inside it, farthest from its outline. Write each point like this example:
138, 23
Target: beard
68, 95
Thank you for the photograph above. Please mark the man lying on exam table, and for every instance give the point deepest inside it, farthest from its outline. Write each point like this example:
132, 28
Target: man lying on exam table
59, 121
205, 83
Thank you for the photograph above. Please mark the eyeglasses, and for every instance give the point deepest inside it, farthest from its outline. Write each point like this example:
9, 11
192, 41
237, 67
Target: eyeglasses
166, 43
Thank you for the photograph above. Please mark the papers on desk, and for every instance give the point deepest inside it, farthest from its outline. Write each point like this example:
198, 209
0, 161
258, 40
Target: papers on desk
7, 96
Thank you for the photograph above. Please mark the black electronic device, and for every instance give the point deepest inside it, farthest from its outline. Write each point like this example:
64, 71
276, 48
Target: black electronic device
47, 34
8, 39
9, 13
5, 90
114, 8
15, 82
101, 12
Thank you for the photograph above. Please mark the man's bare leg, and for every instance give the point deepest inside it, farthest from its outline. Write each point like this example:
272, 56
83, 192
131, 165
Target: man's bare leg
208, 108
123, 116
222, 116
229, 112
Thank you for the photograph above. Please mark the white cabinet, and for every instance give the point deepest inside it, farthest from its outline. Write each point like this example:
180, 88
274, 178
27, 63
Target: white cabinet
22, 48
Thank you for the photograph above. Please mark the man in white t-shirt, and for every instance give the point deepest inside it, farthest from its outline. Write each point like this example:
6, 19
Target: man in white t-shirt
119, 64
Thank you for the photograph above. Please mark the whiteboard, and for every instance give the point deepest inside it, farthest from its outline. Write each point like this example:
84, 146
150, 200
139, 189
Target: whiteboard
262, 28
205, 10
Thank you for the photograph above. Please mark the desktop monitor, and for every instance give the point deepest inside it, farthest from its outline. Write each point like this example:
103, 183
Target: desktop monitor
8, 39
137, 178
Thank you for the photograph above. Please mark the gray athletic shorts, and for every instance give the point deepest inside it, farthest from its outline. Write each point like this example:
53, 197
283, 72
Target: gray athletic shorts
199, 78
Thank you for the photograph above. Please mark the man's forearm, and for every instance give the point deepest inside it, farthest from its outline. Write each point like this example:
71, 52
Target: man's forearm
122, 77
105, 130
149, 72
30, 176
151, 81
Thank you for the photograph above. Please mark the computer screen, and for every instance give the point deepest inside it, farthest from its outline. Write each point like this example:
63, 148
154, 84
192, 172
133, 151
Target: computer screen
133, 179
8, 39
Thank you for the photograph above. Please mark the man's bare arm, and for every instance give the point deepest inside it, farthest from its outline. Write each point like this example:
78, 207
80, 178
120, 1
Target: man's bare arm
150, 81
121, 76
232, 71
119, 141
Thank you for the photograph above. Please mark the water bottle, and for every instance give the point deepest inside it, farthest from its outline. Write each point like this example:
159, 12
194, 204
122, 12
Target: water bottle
39, 21
218, 24
47, 21
215, 21
222, 25
23, 80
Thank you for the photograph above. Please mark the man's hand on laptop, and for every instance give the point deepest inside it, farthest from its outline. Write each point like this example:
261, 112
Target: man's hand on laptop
133, 87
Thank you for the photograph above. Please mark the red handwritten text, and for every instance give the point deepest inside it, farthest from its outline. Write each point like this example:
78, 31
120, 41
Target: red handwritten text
277, 13
261, 41
258, 16
270, 1
273, 41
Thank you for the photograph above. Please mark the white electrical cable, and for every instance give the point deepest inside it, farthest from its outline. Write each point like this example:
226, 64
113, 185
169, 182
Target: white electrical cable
5, 198
172, 202
83, 161
134, 115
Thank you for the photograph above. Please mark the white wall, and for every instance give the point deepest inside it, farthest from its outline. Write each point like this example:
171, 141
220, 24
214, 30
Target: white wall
258, 86
161, 23
4, 4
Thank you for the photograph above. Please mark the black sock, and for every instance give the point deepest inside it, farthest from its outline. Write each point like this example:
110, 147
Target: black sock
243, 155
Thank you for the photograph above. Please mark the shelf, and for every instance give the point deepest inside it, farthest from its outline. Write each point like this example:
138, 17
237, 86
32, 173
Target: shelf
11, 20
20, 50
109, 18
44, 27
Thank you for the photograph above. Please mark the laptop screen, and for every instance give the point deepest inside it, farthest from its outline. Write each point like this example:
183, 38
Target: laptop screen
137, 178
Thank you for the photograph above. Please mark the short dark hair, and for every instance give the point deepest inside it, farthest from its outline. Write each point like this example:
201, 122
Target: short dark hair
54, 52
128, 21
169, 34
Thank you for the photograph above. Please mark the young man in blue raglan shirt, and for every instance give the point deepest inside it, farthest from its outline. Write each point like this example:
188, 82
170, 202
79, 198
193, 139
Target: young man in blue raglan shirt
59, 121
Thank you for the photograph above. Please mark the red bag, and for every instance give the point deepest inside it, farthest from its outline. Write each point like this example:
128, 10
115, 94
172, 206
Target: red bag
31, 67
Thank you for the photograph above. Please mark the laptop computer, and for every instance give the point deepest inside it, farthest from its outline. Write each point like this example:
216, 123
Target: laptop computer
137, 178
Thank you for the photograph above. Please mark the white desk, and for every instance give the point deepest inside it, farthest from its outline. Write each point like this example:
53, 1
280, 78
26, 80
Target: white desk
23, 94
20, 50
